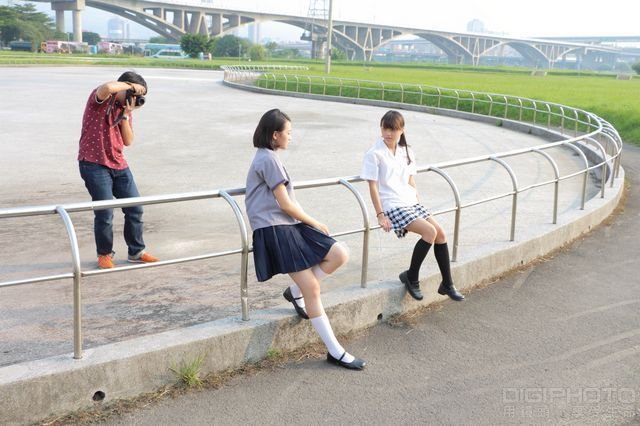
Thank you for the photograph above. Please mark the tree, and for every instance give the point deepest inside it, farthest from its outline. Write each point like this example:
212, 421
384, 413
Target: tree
23, 22
230, 45
338, 54
289, 53
159, 40
193, 44
636, 67
257, 52
271, 47
90, 38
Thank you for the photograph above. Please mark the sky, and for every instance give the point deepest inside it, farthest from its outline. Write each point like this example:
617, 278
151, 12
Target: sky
539, 18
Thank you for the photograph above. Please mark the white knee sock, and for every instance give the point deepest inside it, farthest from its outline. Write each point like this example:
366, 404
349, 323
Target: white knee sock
323, 328
296, 293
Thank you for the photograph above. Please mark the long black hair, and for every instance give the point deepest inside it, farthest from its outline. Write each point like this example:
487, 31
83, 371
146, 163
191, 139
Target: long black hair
271, 121
395, 121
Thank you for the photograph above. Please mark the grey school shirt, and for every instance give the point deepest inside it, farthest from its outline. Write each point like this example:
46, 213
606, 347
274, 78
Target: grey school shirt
265, 174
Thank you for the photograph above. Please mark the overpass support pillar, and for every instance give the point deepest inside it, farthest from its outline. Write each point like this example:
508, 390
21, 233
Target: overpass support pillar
77, 25
60, 20
76, 7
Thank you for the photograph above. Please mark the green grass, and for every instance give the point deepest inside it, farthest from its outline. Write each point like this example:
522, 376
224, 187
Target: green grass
614, 100
188, 371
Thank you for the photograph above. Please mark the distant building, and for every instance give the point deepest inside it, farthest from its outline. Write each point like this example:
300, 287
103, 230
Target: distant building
117, 29
253, 32
476, 26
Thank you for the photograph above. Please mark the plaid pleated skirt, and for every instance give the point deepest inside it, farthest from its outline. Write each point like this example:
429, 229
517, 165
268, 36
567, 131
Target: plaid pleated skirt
282, 249
401, 217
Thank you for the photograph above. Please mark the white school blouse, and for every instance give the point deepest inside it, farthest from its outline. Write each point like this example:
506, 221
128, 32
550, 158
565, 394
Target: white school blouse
392, 174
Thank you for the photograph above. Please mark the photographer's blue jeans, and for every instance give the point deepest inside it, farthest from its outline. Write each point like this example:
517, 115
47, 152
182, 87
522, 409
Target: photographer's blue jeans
104, 183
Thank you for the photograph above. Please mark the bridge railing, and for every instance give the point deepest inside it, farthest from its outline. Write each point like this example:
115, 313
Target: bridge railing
606, 155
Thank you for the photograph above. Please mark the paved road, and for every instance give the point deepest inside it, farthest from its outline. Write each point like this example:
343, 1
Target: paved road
558, 343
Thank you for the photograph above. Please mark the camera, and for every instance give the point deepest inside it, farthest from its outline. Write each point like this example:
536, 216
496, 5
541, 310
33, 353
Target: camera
139, 99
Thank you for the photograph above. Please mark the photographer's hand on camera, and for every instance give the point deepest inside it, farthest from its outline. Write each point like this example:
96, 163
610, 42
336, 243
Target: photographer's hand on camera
137, 89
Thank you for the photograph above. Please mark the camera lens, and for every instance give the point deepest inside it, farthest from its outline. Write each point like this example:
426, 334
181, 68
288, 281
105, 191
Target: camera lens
140, 100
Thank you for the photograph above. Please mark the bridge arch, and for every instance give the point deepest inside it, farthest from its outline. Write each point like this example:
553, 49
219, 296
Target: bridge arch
456, 52
174, 18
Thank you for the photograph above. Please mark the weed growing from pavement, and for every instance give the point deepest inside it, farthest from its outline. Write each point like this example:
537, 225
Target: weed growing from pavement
273, 354
101, 412
188, 372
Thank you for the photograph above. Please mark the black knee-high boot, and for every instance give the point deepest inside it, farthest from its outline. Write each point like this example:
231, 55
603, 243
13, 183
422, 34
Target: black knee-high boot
446, 287
419, 253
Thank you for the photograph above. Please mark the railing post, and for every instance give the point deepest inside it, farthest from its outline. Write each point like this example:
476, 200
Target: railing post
586, 171
456, 196
77, 281
521, 108
604, 165
244, 238
556, 185
365, 237
514, 201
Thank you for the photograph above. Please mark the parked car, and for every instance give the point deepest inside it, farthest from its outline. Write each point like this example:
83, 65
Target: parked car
170, 54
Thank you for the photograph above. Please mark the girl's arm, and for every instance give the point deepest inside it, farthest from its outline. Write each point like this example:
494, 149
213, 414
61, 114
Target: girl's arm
383, 220
294, 210
412, 182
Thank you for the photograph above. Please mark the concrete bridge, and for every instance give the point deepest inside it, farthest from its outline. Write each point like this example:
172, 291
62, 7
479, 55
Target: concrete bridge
173, 18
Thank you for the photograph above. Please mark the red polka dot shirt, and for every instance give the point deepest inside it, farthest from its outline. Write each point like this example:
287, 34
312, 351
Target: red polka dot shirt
100, 141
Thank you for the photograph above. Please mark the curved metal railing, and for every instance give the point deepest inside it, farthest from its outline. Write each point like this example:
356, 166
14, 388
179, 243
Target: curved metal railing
594, 140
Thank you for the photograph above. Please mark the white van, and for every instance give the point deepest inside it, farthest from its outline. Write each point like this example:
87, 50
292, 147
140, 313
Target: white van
170, 54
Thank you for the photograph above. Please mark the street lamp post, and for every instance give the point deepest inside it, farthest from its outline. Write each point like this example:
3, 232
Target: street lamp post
327, 68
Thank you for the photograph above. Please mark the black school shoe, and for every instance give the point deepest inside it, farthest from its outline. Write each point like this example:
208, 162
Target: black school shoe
413, 287
356, 364
450, 291
300, 310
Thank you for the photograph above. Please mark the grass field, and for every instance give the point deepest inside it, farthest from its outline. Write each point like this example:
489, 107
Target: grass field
617, 101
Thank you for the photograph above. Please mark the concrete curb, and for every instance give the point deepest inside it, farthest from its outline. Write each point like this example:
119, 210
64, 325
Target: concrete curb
35, 390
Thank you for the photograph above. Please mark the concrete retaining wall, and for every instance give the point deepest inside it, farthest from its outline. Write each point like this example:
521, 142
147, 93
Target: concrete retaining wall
34, 390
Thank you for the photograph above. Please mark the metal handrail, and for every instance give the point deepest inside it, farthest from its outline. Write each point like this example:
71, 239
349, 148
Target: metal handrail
248, 73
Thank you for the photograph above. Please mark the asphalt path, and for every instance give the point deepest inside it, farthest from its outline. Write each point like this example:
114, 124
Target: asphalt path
556, 343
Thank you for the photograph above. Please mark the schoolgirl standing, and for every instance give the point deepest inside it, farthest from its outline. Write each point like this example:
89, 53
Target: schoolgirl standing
286, 240
390, 169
